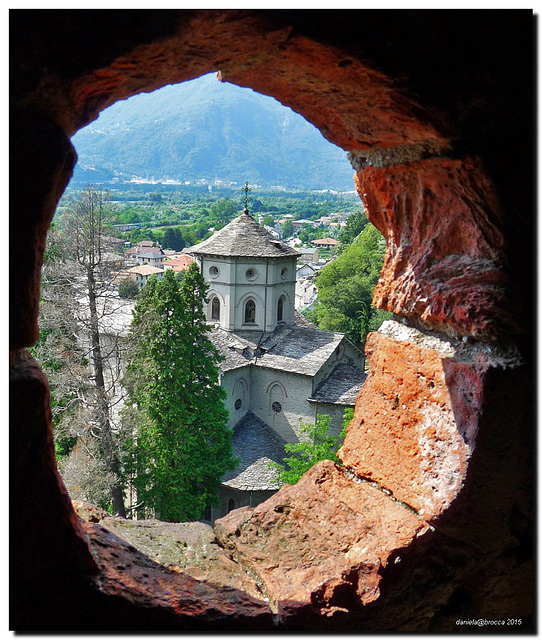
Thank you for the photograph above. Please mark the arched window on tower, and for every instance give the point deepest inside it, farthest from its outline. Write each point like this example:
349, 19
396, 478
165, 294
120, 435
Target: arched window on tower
280, 309
215, 309
250, 312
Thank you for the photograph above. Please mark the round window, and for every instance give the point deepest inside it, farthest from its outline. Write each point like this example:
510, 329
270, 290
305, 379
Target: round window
250, 274
213, 271
238, 404
284, 273
277, 407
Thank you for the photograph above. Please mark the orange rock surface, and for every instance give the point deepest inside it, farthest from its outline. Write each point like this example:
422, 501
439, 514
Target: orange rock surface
411, 433
444, 263
319, 545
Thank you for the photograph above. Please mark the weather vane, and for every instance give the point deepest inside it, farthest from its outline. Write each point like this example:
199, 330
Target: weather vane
246, 189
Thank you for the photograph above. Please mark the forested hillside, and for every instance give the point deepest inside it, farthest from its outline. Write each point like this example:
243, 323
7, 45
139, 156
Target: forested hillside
206, 129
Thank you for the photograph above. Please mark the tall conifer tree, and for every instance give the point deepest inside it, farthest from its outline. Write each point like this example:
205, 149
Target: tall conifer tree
182, 446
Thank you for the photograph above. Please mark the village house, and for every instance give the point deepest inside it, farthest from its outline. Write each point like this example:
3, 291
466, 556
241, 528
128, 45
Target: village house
278, 369
308, 269
144, 247
154, 258
325, 220
326, 243
308, 254
306, 292
177, 262
132, 253
142, 273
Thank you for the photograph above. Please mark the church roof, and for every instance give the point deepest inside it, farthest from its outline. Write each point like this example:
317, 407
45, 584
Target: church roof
341, 386
298, 349
294, 349
301, 321
243, 237
236, 350
257, 445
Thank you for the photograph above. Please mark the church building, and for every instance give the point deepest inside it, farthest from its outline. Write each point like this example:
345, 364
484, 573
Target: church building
279, 370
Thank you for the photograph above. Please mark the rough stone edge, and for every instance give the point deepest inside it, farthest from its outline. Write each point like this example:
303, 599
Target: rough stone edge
406, 154
464, 349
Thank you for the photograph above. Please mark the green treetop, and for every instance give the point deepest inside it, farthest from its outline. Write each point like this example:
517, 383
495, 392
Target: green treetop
223, 210
346, 286
355, 224
173, 239
181, 446
319, 445
288, 229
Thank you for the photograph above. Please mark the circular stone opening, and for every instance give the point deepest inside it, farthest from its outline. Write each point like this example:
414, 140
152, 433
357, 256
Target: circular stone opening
251, 274
214, 271
238, 404
342, 64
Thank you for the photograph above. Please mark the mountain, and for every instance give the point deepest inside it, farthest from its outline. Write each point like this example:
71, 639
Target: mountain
211, 130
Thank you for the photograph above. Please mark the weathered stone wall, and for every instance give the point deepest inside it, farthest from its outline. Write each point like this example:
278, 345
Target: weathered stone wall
430, 520
291, 390
336, 413
444, 263
237, 384
240, 499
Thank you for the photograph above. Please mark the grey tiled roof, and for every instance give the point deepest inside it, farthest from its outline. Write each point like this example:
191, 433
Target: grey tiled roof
237, 351
301, 321
243, 237
257, 445
152, 254
298, 349
341, 386
294, 349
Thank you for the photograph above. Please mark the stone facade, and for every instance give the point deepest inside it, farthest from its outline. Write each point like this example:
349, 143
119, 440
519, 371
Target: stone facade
259, 388
236, 282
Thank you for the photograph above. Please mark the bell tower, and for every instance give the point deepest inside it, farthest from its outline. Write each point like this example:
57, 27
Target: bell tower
251, 276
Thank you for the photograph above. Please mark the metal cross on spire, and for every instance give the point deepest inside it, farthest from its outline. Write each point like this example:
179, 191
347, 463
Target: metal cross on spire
246, 189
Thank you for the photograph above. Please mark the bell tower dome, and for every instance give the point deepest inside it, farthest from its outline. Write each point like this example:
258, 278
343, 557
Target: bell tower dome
251, 276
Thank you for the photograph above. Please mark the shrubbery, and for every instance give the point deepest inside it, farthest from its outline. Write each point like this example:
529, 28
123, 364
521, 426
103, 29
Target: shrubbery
128, 288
